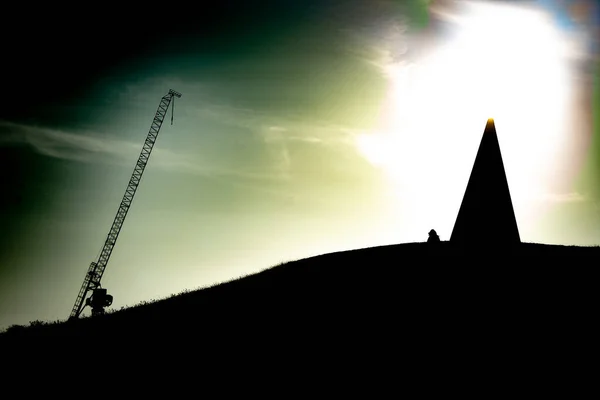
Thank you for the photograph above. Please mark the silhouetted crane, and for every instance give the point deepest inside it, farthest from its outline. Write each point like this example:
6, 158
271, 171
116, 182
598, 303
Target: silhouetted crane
91, 283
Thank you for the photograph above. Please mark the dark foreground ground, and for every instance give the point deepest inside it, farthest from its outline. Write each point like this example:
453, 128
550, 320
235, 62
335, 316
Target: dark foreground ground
413, 305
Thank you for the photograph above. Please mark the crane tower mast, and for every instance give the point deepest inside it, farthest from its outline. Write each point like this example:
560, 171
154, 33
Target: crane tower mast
91, 283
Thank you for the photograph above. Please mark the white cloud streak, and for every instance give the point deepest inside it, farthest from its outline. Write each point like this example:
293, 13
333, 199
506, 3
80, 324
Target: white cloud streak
82, 147
573, 197
278, 133
276, 129
94, 148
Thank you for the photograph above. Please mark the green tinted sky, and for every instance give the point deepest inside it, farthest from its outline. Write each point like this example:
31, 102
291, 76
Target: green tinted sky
261, 164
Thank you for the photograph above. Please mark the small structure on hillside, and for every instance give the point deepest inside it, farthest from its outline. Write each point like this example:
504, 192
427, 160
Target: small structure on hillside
433, 237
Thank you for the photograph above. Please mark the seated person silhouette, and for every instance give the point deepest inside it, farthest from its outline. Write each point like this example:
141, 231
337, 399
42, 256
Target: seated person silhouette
433, 237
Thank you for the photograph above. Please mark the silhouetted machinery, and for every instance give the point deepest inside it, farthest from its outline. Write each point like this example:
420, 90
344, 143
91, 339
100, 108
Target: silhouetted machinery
98, 300
91, 283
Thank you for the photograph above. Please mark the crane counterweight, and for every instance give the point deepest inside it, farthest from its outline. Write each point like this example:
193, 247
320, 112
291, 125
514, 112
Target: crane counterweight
91, 282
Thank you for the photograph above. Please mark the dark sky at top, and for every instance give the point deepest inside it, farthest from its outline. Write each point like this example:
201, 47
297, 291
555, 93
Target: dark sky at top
58, 50
55, 53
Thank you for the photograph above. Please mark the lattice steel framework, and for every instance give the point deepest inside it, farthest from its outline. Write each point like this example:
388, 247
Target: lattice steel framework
96, 269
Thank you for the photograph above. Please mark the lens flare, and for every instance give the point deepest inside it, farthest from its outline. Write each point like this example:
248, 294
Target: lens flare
503, 62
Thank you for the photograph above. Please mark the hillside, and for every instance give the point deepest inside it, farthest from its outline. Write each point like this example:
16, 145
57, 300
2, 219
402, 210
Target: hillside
348, 291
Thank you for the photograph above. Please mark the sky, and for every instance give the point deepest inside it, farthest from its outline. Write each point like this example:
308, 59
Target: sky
303, 128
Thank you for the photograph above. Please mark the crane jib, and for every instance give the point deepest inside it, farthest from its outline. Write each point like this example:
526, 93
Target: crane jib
91, 282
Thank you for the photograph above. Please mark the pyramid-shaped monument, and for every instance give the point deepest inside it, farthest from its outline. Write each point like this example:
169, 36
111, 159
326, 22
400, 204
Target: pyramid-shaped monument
486, 214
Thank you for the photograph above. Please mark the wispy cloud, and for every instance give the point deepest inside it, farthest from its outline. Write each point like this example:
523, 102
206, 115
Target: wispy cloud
278, 133
274, 137
573, 197
96, 148
199, 104
192, 165
82, 147
278, 128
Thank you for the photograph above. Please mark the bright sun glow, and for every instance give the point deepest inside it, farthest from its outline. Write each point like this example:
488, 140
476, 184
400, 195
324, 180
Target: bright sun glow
505, 62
